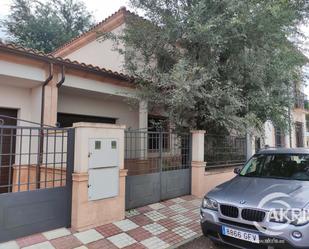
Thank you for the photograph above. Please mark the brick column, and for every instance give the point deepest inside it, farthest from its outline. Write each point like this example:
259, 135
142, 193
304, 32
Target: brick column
198, 164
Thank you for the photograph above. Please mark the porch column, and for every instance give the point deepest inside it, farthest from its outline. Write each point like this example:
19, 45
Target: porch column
143, 128
198, 164
51, 101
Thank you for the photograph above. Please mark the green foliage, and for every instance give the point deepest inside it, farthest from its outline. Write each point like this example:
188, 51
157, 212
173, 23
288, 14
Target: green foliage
46, 25
217, 65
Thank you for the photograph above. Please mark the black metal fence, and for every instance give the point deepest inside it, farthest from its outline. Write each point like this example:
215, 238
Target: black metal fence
224, 151
32, 158
151, 152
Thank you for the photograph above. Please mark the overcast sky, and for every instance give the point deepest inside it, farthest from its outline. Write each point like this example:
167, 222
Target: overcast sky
100, 8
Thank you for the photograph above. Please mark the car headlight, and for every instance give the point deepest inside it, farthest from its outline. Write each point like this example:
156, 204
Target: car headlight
210, 204
301, 219
294, 217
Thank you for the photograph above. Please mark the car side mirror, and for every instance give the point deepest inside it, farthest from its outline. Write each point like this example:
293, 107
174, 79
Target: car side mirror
237, 171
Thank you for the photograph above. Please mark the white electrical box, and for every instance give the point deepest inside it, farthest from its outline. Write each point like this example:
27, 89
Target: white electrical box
103, 153
103, 169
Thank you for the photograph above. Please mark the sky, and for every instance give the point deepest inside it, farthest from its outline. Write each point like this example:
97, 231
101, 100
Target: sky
100, 8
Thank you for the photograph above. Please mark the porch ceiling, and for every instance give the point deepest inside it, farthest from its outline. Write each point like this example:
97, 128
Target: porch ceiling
18, 82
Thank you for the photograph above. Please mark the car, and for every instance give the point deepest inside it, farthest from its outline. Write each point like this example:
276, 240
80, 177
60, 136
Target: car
266, 205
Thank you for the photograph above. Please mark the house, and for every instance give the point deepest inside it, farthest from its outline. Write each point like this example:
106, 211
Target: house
296, 134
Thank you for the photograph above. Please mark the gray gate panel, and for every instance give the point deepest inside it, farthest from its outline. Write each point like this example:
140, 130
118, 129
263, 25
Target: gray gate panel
175, 183
26, 213
142, 190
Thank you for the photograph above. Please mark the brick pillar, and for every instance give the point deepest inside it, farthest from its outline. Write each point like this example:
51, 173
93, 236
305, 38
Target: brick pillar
198, 164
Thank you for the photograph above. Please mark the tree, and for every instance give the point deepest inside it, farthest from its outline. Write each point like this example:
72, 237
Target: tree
225, 65
46, 25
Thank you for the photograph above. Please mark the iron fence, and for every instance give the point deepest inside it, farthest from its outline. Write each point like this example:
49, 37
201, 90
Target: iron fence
32, 158
224, 151
151, 152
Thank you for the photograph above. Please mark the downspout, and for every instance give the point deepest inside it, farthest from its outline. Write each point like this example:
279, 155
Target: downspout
60, 83
41, 151
45, 83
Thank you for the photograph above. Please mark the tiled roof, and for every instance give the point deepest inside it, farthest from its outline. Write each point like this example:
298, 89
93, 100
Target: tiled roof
14, 48
95, 27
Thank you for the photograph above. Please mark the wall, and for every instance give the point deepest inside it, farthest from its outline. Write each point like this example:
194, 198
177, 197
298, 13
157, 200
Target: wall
100, 53
26, 100
269, 134
216, 177
99, 105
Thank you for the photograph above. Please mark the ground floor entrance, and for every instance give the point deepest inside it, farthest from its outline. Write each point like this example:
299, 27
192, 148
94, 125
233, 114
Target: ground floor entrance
36, 167
159, 166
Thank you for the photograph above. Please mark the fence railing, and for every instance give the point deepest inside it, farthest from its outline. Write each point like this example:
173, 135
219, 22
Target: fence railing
224, 151
151, 152
32, 156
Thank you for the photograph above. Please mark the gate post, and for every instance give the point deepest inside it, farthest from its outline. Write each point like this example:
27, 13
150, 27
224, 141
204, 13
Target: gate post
98, 190
198, 163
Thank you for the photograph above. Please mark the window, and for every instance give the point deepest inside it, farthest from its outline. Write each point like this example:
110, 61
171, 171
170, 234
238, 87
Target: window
278, 166
158, 126
279, 137
299, 133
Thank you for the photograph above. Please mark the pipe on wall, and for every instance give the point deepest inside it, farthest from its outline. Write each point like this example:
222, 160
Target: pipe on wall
60, 83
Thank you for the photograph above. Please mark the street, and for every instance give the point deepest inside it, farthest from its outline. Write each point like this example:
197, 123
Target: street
202, 242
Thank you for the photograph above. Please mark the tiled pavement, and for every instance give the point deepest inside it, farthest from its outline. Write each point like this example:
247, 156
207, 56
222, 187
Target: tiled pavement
157, 226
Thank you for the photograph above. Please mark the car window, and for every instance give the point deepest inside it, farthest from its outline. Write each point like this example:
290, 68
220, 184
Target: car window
283, 166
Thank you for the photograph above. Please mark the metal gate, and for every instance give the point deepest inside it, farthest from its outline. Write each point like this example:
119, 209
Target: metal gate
159, 166
36, 165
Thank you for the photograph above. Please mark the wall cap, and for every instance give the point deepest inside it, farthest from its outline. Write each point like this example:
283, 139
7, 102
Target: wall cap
80, 177
198, 131
98, 125
198, 164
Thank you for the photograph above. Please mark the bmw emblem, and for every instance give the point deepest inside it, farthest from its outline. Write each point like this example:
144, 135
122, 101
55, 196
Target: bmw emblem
242, 202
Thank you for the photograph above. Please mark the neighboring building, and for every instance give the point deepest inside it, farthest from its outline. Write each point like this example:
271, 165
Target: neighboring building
296, 136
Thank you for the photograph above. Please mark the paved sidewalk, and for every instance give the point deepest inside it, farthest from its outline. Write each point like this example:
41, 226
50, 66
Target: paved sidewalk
156, 226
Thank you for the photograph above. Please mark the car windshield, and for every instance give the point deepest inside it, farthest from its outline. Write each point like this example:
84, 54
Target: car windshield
279, 166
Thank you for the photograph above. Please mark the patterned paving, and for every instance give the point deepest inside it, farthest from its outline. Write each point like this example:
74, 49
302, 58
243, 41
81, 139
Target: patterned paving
156, 226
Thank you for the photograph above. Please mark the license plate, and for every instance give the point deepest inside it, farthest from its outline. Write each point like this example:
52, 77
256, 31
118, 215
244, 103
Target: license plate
237, 234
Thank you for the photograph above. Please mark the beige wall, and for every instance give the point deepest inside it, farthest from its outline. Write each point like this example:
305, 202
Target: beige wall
26, 100
99, 105
100, 53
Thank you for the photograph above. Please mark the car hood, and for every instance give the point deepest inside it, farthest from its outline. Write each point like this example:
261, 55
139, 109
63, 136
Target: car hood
251, 192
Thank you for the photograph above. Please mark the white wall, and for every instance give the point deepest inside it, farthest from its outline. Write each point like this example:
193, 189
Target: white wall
100, 53
26, 100
269, 130
103, 106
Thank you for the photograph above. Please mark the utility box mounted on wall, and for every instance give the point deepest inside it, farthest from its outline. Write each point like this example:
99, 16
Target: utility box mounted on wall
103, 169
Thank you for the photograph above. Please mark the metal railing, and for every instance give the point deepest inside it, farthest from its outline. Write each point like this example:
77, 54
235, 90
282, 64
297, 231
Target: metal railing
224, 151
151, 152
32, 157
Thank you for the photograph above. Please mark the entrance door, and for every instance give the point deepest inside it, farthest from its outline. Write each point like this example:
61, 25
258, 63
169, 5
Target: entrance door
159, 167
38, 196
7, 147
